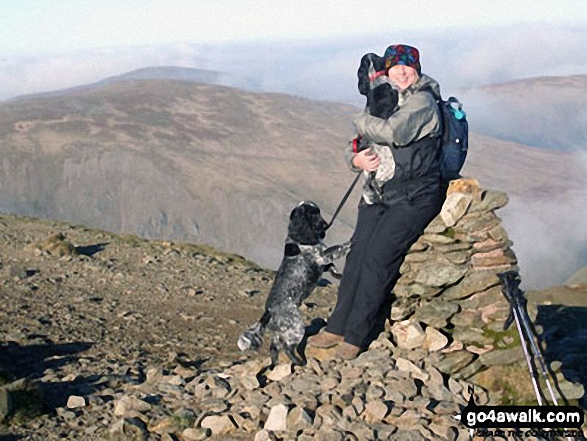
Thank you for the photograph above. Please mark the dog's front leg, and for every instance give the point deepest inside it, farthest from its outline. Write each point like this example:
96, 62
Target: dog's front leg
329, 255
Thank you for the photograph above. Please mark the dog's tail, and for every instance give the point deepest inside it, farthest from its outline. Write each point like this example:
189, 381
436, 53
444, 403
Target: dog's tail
252, 338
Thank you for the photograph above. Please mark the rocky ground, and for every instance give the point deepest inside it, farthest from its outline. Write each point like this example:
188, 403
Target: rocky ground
112, 337
88, 311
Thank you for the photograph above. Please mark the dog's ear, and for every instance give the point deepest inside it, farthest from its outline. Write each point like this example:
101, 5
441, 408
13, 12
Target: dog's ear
291, 250
363, 75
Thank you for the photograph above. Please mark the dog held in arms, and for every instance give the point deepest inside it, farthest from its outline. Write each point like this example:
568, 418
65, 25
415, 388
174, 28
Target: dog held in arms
382, 102
305, 259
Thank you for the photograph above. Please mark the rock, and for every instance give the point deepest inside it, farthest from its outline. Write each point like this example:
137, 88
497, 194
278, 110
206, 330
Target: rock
467, 319
435, 313
437, 226
128, 404
502, 357
350, 373
375, 411
419, 246
263, 435
406, 387
555, 365
454, 208
279, 372
75, 401
453, 361
215, 405
329, 383
250, 382
408, 334
212, 386
277, 419
454, 386
423, 290
154, 375
497, 257
477, 350
485, 298
298, 419
218, 424
491, 200
495, 312
5, 404
438, 274
434, 340
471, 335
167, 425
374, 392
329, 434
407, 366
469, 370
129, 428
196, 434
453, 347
458, 257
329, 415
474, 281
443, 431
434, 239
489, 245
320, 354
407, 420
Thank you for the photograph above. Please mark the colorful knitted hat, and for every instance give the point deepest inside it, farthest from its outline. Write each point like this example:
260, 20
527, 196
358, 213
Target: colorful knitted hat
402, 54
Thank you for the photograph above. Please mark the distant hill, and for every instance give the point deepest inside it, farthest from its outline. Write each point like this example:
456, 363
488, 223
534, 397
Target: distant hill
547, 112
164, 73
210, 164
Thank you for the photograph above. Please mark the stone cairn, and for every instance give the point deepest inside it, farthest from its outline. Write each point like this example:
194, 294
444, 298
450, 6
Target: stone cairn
450, 309
410, 384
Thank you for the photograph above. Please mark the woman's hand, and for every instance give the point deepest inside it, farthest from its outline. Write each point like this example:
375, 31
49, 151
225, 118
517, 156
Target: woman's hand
366, 160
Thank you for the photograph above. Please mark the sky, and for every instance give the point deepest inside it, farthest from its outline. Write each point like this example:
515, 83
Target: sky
292, 47
34, 27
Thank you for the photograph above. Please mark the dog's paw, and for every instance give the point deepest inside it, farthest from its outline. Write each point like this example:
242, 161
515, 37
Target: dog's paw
334, 272
249, 341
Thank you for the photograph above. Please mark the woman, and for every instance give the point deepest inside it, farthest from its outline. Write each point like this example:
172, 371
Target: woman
396, 206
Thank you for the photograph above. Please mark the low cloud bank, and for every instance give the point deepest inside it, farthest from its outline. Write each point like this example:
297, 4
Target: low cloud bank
325, 69
549, 235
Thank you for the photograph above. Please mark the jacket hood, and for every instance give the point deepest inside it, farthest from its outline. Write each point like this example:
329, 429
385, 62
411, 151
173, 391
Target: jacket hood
424, 82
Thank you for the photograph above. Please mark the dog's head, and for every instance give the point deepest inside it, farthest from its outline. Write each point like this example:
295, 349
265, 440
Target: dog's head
369, 61
382, 99
306, 224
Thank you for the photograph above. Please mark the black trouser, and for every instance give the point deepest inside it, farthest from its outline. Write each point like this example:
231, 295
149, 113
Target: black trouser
382, 237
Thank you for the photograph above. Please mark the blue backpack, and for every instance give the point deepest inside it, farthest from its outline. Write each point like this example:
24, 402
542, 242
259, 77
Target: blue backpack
455, 137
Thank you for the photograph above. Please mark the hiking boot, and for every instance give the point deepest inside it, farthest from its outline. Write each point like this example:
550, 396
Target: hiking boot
347, 351
325, 340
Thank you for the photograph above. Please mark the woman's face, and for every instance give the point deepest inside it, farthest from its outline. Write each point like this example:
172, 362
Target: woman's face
403, 76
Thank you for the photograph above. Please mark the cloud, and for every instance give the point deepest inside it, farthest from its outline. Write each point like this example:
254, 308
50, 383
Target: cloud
326, 68
549, 235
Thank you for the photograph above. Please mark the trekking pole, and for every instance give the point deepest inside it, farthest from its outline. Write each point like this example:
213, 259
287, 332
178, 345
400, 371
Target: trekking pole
510, 281
505, 281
